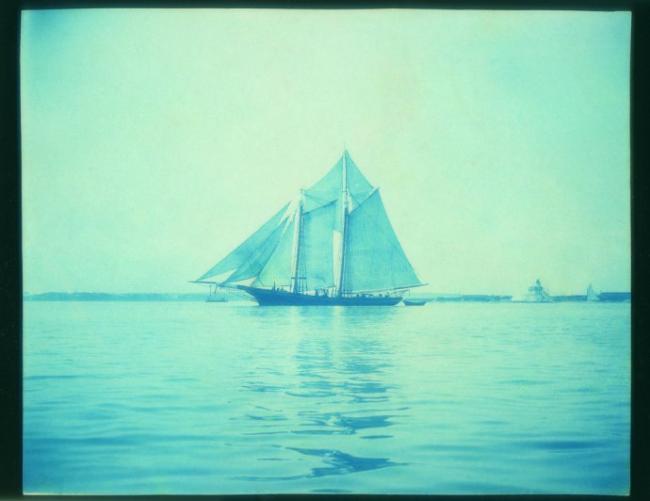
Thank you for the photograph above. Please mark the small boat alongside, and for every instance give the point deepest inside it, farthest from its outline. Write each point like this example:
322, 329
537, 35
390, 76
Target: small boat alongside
414, 302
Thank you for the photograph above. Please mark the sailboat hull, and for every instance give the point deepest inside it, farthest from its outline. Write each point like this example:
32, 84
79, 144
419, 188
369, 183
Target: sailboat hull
266, 297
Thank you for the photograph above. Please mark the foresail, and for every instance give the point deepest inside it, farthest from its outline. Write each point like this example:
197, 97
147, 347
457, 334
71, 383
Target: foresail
374, 258
255, 263
277, 270
316, 247
247, 249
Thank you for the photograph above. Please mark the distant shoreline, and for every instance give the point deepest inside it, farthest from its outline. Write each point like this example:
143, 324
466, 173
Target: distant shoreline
136, 296
105, 296
235, 296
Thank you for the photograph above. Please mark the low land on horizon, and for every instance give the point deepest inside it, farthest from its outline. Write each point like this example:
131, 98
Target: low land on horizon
233, 295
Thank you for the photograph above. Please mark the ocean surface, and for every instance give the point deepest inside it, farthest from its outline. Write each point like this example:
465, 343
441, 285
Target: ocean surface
190, 398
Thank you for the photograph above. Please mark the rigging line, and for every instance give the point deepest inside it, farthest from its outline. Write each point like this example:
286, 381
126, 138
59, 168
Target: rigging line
297, 233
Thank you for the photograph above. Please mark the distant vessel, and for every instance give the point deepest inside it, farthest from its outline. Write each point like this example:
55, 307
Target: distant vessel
215, 296
537, 294
332, 245
591, 294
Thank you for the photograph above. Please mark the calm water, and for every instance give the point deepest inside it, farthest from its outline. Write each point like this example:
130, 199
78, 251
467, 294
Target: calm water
234, 398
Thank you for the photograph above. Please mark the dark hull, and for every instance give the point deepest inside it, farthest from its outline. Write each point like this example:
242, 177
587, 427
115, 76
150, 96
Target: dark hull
266, 297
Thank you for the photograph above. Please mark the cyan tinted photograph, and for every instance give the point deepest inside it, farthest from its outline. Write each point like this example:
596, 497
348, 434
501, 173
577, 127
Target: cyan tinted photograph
368, 251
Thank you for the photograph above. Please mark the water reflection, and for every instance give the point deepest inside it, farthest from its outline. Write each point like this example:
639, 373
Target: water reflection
346, 362
340, 463
349, 362
336, 383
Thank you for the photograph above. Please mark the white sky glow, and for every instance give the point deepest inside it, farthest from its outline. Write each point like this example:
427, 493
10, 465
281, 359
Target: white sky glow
155, 141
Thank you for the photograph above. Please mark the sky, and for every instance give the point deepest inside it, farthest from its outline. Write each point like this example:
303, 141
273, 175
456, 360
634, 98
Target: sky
155, 141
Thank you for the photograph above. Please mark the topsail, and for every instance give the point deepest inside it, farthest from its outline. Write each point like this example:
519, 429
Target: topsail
333, 240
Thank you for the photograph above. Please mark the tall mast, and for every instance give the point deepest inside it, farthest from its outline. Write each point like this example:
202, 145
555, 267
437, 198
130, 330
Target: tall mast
295, 251
344, 221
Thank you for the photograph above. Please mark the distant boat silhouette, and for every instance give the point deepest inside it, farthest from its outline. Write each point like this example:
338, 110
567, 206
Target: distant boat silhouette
537, 294
332, 245
592, 295
215, 296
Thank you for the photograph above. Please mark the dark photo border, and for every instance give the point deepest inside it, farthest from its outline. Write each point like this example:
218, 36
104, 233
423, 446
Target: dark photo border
10, 242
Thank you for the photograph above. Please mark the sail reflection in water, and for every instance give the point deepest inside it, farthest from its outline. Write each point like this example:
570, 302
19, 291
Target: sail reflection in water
339, 388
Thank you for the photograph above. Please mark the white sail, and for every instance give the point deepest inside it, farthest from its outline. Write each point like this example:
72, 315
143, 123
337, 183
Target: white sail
374, 258
316, 247
337, 257
255, 263
592, 295
247, 249
325, 190
347, 187
343, 208
277, 270
328, 188
358, 186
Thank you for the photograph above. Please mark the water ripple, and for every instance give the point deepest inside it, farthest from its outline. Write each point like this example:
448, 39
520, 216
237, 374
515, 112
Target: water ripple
471, 398
341, 463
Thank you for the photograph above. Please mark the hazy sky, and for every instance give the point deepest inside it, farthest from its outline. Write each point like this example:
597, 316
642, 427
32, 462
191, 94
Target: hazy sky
155, 141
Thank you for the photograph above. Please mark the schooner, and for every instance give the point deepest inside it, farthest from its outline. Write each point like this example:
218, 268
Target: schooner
332, 245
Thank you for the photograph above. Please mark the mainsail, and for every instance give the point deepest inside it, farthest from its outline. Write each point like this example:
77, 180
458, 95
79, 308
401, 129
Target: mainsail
315, 261
335, 236
374, 258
